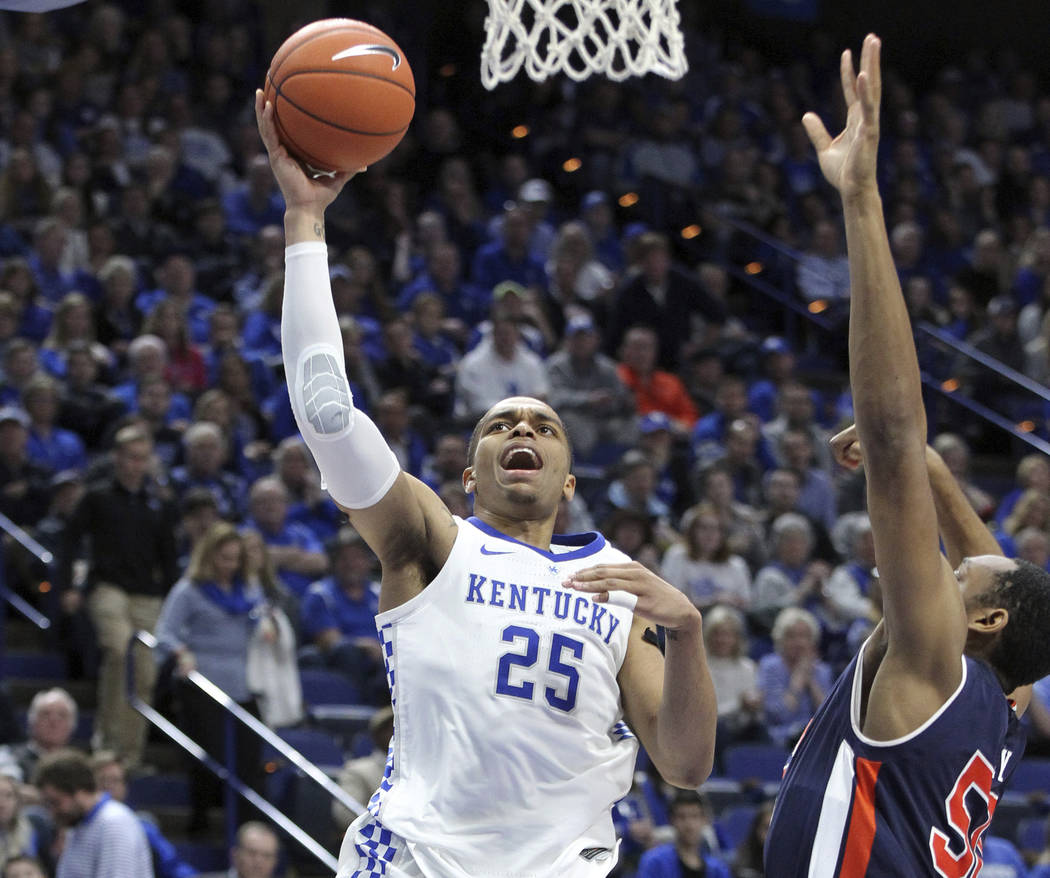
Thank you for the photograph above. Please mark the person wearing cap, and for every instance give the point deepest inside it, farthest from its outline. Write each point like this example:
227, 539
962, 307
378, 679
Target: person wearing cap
656, 438
361, 777
778, 365
500, 366
597, 215
999, 339
535, 196
594, 403
508, 256
24, 483
665, 297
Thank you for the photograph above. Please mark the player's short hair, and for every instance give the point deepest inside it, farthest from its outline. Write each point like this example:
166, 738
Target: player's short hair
1021, 653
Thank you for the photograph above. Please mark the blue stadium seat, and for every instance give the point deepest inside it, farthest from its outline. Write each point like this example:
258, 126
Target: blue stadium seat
203, 857
34, 666
154, 791
327, 687
316, 745
1032, 775
733, 826
1031, 835
761, 762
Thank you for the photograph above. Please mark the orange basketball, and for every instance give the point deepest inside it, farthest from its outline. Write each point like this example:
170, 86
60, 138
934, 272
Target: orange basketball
342, 93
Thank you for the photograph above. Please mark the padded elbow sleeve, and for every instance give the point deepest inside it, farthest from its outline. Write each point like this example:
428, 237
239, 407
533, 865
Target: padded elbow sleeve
357, 466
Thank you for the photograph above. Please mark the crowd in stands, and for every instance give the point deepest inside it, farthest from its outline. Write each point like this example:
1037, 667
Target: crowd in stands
146, 436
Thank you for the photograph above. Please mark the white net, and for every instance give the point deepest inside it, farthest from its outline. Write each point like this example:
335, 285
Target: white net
617, 38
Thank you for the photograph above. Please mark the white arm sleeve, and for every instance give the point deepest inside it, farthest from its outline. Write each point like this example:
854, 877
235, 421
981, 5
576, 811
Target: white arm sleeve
357, 466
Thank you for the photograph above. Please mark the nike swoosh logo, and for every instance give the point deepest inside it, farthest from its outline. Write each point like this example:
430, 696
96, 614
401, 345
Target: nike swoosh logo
355, 51
485, 551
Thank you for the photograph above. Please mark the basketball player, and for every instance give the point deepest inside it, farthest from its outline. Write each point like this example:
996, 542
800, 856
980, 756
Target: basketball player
518, 661
901, 768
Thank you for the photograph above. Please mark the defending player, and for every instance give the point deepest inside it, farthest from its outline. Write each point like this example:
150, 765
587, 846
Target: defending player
900, 770
513, 656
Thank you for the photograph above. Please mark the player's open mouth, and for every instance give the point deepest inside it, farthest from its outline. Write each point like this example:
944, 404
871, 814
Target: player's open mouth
521, 457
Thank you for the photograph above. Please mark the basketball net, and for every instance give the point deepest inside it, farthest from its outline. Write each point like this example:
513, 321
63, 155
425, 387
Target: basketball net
617, 38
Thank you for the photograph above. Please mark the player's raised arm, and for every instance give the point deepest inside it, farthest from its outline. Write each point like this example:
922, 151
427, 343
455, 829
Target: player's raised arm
402, 520
923, 609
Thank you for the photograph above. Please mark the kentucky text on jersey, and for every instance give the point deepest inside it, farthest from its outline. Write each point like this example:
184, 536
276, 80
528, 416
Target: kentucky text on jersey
542, 601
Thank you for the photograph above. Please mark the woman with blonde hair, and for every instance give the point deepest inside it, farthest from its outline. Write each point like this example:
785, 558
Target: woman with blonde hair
206, 624
701, 565
18, 836
73, 321
735, 677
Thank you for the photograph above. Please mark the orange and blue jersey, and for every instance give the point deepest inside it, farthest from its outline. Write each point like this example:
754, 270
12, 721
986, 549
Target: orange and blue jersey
852, 807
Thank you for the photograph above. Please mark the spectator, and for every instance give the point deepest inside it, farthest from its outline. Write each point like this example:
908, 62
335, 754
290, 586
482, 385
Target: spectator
308, 505
117, 320
823, 272
742, 522
586, 390
701, 566
103, 838
509, 258
793, 680
778, 367
735, 677
791, 578
73, 322
574, 276
51, 721
654, 389
18, 834
1033, 545
709, 434
666, 299
339, 617
597, 216
635, 489
1033, 471
111, 779
361, 777
50, 446
177, 281
148, 358
132, 565
254, 855
185, 369
1032, 509
691, 851
393, 418
748, 860
796, 410
255, 203
297, 554
206, 454
781, 490
741, 455
448, 460
1000, 340
850, 595
20, 364
956, 454
24, 494
816, 497
670, 459
206, 624
87, 407
23, 867
499, 367
464, 302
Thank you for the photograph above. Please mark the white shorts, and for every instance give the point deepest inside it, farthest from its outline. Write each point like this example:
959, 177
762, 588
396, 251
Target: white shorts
370, 850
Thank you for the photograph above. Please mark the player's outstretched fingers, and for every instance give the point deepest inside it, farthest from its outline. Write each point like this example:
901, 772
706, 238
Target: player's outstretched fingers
818, 134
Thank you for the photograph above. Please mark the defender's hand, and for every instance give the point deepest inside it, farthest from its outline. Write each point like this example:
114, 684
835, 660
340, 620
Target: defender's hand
846, 448
298, 189
848, 161
658, 601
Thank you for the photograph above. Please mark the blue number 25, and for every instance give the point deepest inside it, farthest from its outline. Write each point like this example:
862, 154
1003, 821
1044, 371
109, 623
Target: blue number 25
557, 665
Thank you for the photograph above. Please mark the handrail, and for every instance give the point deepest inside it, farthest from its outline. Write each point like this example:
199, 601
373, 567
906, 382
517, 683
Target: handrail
25, 540
989, 362
25, 608
292, 755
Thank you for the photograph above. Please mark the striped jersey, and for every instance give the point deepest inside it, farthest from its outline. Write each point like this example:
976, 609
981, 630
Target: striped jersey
509, 746
851, 807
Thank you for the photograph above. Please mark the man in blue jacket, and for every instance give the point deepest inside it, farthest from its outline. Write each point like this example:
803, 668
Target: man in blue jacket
687, 856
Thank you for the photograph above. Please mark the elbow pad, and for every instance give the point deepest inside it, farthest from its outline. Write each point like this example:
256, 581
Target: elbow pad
357, 466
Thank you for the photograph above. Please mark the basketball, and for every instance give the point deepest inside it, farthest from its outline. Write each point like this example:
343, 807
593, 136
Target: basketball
342, 93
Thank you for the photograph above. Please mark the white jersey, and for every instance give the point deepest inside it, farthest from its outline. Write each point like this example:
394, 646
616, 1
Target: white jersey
509, 744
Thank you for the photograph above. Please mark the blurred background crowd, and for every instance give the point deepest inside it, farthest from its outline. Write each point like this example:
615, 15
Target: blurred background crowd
661, 261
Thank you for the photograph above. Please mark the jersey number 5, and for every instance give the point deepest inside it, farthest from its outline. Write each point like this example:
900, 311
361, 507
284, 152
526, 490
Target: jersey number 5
977, 776
562, 650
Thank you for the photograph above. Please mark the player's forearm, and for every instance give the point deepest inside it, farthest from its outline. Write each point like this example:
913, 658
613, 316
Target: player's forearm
963, 532
688, 712
302, 224
884, 371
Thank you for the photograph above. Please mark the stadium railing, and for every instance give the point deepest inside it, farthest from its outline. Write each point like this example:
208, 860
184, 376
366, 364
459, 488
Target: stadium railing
798, 315
12, 600
226, 771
